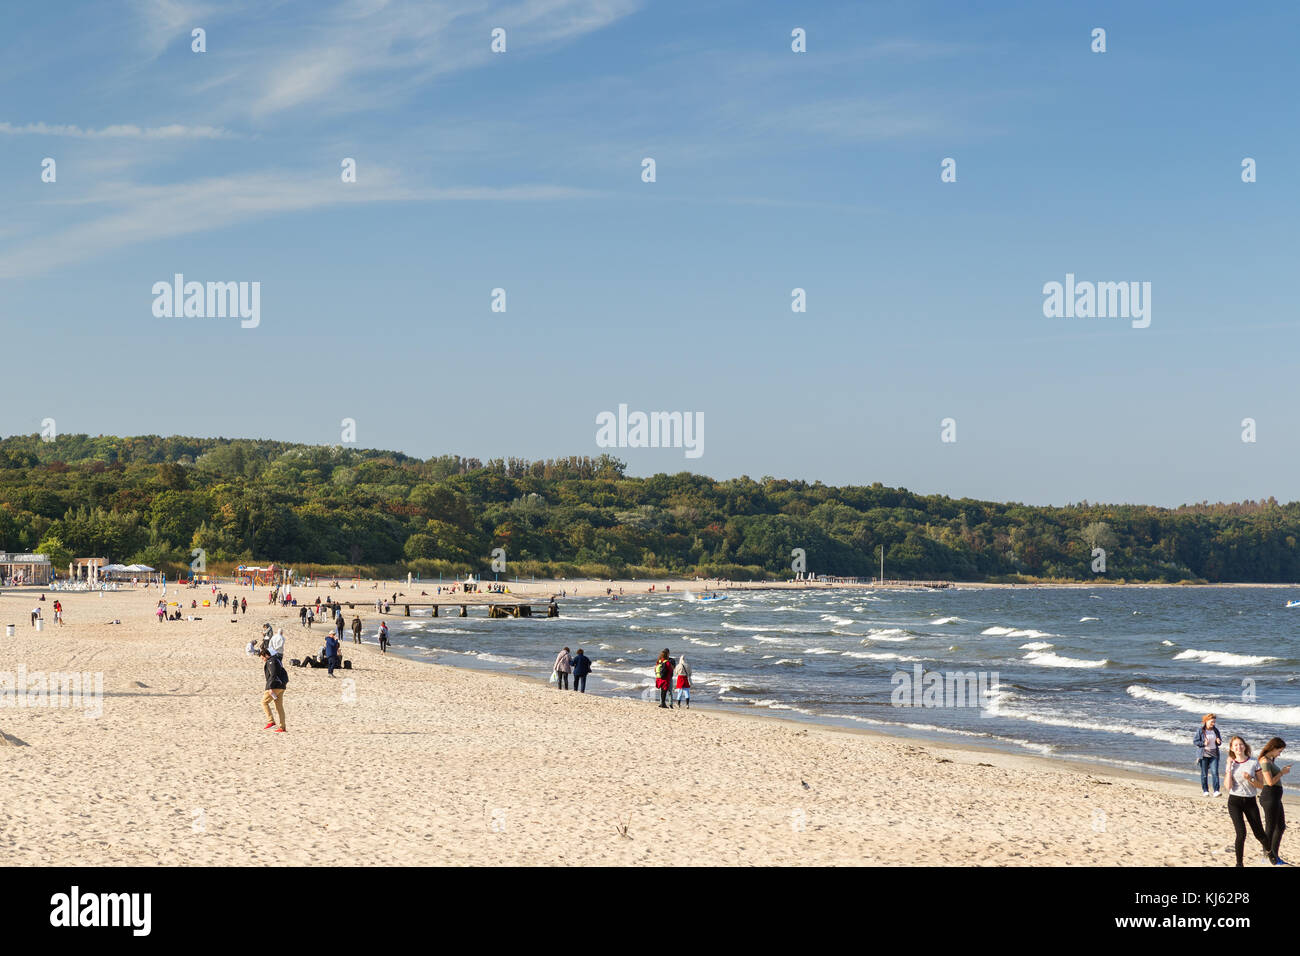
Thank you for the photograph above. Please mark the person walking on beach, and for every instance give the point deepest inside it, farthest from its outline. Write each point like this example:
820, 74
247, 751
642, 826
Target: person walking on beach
563, 668
302, 616
581, 665
383, 637
1207, 741
58, 612
664, 678
356, 629
277, 678
243, 605
682, 680
1242, 806
332, 653
1270, 798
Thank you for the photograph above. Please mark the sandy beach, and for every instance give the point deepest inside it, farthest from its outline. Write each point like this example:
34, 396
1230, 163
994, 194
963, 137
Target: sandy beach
402, 762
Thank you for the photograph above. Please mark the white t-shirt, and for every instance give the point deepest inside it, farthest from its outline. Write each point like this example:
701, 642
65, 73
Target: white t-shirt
276, 644
1240, 785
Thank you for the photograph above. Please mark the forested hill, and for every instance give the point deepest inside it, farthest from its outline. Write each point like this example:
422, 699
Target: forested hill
152, 500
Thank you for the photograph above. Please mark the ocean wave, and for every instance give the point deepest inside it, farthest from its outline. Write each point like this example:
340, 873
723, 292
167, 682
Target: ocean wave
1082, 619
1036, 646
941, 621
878, 656
1222, 658
841, 621
1014, 632
1255, 713
735, 649
1047, 659
820, 650
996, 709
503, 659
889, 634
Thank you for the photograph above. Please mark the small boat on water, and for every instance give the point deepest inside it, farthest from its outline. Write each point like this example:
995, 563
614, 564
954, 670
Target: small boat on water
1293, 603
705, 598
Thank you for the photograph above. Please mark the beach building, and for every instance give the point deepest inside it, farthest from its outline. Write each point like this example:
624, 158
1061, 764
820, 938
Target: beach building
25, 569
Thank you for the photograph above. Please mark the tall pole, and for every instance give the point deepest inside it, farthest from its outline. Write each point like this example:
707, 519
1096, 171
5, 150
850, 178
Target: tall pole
882, 564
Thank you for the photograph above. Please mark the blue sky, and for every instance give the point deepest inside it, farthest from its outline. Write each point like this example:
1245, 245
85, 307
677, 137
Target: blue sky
775, 170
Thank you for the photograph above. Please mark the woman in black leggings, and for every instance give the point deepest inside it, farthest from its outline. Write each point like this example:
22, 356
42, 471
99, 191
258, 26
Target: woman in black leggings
1242, 783
1270, 798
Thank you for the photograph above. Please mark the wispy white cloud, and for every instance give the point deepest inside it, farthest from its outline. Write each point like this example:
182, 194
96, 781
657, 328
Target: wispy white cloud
125, 131
145, 213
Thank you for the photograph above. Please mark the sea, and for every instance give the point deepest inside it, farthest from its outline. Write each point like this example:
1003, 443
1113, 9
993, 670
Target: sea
1116, 675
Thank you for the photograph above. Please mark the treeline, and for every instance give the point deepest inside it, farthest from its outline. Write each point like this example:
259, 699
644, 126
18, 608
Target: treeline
152, 500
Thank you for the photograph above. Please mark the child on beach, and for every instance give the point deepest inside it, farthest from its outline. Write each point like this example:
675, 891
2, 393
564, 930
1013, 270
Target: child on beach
1207, 741
1242, 806
1270, 798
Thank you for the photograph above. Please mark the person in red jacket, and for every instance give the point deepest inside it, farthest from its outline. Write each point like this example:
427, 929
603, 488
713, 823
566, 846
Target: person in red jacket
664, 678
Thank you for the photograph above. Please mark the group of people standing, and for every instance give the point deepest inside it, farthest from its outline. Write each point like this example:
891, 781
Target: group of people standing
671, 676
1253, 783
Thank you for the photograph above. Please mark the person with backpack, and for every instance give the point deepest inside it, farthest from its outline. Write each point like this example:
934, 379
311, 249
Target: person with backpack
383, 637
1207, 741
277, 679
664, 677
581, 665
563, 667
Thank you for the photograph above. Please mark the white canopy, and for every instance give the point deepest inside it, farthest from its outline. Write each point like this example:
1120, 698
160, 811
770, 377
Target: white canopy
138, 568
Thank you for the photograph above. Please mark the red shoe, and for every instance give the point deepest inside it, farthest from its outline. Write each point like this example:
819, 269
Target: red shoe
269, 726
279, 730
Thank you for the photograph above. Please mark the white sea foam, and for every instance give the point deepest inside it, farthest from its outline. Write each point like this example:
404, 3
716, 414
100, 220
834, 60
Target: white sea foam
1047, 659
1222, 658
889, 634
940, 621
1082, 619
1225, 709
1036, 646
878, 656
841, 621
735, 649
997, 631
502, 659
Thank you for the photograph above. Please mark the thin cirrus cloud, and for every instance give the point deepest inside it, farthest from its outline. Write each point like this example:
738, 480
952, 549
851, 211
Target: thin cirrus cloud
148, 213
121, 131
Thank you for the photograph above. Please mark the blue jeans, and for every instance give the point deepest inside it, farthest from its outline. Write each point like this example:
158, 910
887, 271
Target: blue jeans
1206, 763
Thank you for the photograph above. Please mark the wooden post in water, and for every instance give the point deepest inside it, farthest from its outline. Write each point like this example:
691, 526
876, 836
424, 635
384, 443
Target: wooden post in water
435, 610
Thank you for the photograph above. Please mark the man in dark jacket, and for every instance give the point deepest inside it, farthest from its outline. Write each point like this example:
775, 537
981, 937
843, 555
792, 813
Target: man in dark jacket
276, 680
332, 653
581, 668
356, 629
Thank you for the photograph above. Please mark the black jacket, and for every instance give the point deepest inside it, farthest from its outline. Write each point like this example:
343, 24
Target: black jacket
276, 678
581, 665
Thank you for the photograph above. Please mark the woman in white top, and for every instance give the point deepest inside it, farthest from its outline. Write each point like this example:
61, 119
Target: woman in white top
1242, 805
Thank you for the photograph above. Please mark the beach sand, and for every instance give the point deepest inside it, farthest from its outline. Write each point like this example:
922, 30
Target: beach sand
401, 762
